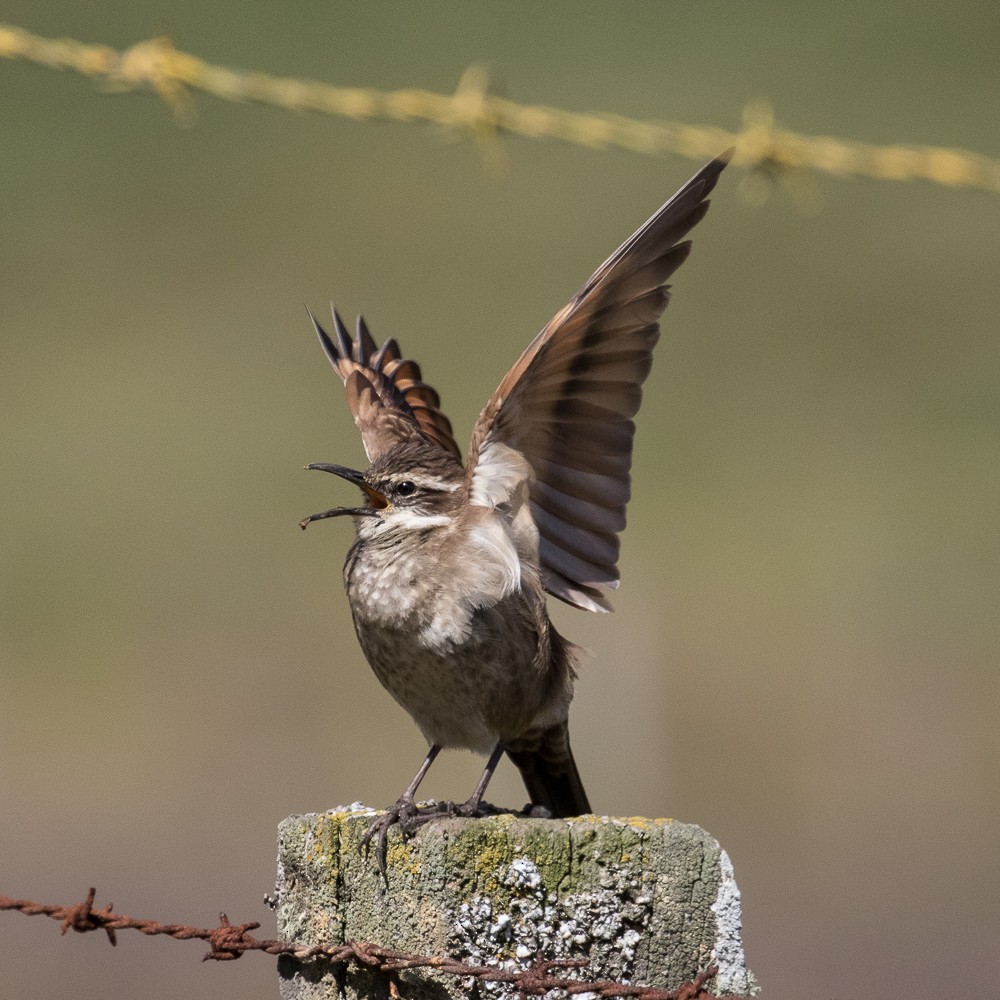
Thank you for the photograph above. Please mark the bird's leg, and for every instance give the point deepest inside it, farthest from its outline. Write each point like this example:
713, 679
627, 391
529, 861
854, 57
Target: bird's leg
471, 807
409, 817
402, 812
449, 810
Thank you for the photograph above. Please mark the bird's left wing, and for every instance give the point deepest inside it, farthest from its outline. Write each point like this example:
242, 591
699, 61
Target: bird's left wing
566, 406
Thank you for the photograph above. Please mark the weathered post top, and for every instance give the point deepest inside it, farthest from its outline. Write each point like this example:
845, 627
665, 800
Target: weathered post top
650, 902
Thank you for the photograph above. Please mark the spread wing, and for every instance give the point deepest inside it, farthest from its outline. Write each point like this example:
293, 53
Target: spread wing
566, 406
386, 394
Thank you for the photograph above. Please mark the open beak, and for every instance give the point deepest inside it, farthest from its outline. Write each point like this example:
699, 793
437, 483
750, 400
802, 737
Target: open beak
377, 501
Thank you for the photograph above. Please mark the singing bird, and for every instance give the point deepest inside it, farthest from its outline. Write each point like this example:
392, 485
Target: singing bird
447, 577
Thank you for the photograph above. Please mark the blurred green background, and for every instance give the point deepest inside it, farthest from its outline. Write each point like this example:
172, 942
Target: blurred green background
805, 653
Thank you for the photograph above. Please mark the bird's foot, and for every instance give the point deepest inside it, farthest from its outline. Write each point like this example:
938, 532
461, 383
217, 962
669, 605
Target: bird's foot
408, 815
473, 808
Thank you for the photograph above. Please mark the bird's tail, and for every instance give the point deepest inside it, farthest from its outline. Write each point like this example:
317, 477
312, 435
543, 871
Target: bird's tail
549, 772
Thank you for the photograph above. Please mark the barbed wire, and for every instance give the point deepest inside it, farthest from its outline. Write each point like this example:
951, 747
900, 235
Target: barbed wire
773, 153
229, 941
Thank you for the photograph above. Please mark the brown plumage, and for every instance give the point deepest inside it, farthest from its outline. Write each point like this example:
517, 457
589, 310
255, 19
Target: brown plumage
448, 575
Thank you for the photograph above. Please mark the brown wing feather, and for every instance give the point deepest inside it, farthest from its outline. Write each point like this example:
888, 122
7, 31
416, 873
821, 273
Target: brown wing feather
568, 402
386, 394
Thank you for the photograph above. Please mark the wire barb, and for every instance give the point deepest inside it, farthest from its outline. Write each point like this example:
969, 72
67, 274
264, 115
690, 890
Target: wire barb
82, 917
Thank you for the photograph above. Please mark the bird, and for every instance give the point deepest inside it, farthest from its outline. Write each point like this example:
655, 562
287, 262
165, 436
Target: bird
452, 561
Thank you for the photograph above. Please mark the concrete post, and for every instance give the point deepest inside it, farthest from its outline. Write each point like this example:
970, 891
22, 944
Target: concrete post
649, 902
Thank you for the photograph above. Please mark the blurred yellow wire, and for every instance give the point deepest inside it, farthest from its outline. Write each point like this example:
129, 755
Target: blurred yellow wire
773, 153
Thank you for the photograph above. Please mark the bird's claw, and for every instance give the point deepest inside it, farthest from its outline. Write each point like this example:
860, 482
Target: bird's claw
472, 809
410, 817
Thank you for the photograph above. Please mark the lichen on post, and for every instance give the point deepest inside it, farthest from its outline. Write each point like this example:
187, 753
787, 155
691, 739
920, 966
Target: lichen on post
650, 902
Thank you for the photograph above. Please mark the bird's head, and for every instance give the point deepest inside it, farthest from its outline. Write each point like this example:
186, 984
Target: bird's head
412, 487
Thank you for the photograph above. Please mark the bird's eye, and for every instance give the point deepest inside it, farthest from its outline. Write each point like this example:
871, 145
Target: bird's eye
406, 488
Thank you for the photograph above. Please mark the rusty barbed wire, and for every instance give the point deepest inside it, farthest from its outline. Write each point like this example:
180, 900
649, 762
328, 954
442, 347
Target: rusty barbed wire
773, 154
229, 941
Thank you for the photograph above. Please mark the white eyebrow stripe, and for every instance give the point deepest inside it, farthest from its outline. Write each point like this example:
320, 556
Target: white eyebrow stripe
427, 482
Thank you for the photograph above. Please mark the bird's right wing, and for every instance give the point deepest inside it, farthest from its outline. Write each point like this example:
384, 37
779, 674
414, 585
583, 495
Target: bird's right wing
566, 406
386, 393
